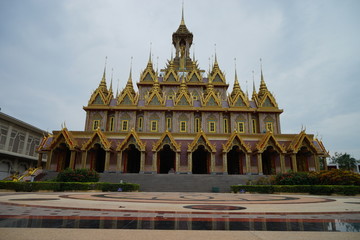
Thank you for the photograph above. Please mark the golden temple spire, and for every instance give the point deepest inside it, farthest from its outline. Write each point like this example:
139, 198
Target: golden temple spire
236, 87
182, 15
263, 88
102, 85
111, 81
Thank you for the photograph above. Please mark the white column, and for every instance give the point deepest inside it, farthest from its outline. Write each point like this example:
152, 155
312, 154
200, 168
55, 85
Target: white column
154, 162
48, 162
190, 162
72, 159
247, 164
177, 162
119, 162
293, 161
260, 168
107, 161
225, 167
212, 162
282, 163
83, 159
142, 162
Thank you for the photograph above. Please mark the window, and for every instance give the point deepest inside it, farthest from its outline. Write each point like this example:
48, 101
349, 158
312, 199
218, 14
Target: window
111, 127
154, 126
168, 124
3, 135
96, 124
254, 125
212, 126
124, 125
226, 128
140, 123
182, 126
241, 127
269, 126
197, 124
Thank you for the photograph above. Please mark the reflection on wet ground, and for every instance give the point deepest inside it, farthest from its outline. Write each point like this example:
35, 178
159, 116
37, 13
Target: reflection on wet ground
205, 212
179, 224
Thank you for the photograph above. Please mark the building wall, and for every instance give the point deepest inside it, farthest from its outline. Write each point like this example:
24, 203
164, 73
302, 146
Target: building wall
18, 144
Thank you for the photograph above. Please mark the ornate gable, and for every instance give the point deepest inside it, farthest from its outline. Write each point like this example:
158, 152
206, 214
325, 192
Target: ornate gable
131, 138
64, 137
97, 137
148, 75
171, 75
194, 75
201, 139
101, 95
128, 96
155, 96
183, 98
167, 138
236, 140
237, 97
301, 140
269, 140
264, 97
210, 98
216, 75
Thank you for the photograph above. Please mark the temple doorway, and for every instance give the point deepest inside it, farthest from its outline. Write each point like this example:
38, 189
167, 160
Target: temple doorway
132, 159
63, 153
200, 161
97, 154
268, 161
166, 162
234, 161
302, 159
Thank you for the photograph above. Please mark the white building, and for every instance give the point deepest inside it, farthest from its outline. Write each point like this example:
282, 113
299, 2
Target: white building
18, 144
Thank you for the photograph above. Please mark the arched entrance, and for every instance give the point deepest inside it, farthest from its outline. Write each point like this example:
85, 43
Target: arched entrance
97, 155
166, 160
302, 159
63, 157
200, 161
234, 161
269, 157
132, 159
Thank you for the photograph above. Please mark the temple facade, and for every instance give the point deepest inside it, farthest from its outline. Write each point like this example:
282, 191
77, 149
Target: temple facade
183, 120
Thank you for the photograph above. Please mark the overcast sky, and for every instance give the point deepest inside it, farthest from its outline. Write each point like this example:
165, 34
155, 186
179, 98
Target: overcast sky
52, 56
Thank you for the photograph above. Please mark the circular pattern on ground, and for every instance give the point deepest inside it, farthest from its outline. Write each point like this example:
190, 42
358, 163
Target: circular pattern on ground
206, 198
214, 207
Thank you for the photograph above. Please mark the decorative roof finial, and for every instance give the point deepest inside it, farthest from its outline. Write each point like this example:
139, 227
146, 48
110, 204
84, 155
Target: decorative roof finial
112, 74
150, 52
103, 78
253, 73
130, 74
215, 54
182, 14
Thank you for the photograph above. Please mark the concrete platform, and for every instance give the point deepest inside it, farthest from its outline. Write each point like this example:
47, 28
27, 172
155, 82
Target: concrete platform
177, 216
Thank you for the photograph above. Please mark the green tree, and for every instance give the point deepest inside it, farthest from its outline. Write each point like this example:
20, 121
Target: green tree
345, 161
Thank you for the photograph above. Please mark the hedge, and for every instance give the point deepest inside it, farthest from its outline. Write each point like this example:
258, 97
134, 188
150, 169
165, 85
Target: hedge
67, 186
312, 189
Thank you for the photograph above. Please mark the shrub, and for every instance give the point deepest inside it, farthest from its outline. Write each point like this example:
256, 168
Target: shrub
77, 175
295, 178
67, 186
338, 177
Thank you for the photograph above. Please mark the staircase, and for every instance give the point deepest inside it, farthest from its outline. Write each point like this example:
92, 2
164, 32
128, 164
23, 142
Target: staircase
179, 182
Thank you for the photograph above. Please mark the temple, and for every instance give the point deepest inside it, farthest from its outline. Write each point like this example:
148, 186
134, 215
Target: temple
182, 120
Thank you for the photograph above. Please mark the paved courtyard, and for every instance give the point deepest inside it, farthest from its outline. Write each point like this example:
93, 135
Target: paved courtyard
146, 214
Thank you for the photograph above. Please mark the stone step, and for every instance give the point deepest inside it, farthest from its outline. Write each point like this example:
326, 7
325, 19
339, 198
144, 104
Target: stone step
179, 182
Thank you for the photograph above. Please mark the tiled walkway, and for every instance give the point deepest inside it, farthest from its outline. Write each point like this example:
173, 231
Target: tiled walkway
180, 211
